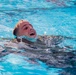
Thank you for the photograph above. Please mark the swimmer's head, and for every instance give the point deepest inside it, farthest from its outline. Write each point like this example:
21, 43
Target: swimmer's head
24, 28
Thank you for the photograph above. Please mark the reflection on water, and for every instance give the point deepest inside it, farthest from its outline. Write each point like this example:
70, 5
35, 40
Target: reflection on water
56, 56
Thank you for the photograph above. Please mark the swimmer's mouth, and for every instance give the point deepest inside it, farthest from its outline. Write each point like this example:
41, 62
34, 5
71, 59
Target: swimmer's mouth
32, 34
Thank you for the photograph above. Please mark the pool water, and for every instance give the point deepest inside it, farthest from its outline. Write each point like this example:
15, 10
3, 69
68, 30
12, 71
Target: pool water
53, 17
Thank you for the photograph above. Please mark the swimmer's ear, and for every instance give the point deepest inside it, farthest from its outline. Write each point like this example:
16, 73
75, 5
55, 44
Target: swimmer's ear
15, 31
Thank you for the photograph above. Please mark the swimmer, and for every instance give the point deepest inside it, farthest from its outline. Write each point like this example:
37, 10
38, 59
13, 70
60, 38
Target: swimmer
24, 32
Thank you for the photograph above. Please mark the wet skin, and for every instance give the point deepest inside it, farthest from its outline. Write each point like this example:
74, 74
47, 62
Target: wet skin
25, 28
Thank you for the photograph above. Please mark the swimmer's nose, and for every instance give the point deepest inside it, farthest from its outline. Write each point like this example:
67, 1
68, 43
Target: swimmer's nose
31, 29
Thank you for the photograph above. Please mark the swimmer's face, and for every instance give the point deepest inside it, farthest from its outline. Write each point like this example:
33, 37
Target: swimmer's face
25, 28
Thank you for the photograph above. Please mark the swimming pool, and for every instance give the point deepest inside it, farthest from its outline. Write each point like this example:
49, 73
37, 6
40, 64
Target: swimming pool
53, 17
